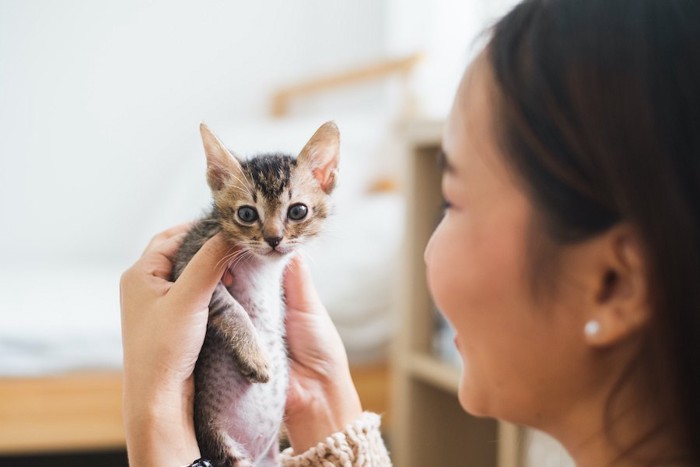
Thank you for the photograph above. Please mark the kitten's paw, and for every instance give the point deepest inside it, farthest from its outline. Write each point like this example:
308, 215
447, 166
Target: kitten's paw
255, 367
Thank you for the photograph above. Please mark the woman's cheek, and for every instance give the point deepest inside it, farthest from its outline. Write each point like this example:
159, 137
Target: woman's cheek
441, 267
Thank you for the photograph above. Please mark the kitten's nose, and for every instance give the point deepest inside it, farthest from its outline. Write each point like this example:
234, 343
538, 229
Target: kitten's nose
273, 241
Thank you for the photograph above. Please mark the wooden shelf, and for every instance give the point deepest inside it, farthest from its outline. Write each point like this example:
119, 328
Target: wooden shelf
434, 371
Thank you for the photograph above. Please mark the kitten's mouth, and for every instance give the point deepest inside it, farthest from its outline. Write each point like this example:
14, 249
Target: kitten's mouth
277, 251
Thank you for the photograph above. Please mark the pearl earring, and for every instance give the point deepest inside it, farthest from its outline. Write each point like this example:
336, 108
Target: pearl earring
592, 328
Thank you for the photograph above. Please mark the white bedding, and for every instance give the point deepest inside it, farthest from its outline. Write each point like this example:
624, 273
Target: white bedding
58, 316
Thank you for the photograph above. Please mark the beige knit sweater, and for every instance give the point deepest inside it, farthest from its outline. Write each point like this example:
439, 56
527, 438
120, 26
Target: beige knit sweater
359, 445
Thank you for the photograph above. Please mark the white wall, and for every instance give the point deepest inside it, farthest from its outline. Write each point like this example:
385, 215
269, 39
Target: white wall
446, 30
100, 102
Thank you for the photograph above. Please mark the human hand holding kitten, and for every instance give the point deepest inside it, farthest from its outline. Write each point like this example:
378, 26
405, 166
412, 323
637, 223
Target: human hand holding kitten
163, 325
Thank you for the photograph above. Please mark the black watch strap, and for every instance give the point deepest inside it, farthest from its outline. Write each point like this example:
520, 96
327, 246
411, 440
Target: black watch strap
201, 463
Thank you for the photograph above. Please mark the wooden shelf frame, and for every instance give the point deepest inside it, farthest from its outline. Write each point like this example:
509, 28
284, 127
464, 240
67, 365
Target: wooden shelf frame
402, 66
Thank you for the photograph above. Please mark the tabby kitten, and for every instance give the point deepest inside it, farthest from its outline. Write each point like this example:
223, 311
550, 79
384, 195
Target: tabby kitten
266, 208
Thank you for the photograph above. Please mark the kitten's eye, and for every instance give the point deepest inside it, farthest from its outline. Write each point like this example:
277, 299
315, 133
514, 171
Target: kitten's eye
247, 214
297, 212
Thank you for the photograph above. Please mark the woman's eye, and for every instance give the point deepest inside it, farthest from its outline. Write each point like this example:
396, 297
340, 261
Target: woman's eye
297, 212
247, 214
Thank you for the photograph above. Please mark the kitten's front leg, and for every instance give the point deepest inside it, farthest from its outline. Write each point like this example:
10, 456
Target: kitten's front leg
230, 320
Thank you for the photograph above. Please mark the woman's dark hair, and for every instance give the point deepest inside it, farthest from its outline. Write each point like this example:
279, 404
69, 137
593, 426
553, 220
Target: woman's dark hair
599, 114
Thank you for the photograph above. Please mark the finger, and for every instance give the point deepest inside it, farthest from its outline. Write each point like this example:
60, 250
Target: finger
167, 234
158, 261
300, 293
196, 284
227, 279
233, 256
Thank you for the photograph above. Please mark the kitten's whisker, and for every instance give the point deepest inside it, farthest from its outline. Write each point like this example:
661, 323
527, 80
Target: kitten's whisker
247, 258
245, 175
231, 253
235, 256
250, 183
238, 178
239, 252
223, 258
234, 262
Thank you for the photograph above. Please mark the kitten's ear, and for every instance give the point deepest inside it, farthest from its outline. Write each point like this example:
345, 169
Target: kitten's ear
321, 154
221, 164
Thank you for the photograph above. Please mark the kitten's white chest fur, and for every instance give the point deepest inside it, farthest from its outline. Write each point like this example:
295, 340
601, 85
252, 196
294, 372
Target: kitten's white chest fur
257, 286
250, 414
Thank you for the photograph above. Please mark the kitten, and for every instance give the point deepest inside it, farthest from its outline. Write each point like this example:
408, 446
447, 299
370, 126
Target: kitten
266, 207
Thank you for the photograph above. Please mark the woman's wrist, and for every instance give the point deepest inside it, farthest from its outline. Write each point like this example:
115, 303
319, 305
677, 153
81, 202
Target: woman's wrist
160, 429
334, 405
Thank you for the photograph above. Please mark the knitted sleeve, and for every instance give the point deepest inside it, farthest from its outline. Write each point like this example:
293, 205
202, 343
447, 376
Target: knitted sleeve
359, 445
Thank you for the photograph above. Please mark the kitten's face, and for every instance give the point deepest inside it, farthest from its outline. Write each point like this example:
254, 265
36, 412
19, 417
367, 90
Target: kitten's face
271, 204
274, 208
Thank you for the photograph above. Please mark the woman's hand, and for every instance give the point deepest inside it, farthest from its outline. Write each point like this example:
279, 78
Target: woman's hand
322, 398
163, 327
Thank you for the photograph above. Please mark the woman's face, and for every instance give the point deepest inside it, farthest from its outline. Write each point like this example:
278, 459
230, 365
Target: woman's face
515, 354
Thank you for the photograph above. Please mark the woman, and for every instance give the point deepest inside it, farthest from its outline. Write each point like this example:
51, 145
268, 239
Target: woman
572, 182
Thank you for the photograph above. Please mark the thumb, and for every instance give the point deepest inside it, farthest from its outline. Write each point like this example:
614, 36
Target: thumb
299, 291
196, 284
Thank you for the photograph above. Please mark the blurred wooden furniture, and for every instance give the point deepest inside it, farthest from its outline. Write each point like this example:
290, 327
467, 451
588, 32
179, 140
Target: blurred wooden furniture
82, 411
373, 383
396, 66
68, 412
429, 426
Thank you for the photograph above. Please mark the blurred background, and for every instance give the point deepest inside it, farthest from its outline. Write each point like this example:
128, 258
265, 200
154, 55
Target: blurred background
99, 150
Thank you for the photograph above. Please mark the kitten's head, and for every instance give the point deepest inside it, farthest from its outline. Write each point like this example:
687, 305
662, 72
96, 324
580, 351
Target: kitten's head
273, 203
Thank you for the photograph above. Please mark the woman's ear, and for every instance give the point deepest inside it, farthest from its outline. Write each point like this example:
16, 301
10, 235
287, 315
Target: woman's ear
222, 165
321, 154
618, 289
